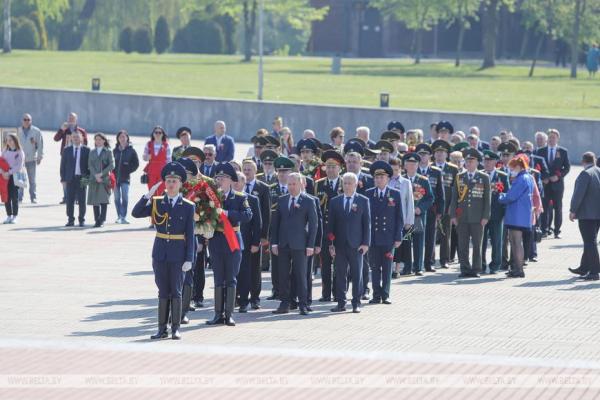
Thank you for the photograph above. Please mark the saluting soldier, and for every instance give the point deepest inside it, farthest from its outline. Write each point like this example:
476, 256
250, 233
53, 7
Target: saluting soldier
441, 150
434, 214
284, 167
499, 183
225, 260
386, 230
470, 212
423, 198
173, 250
326, 189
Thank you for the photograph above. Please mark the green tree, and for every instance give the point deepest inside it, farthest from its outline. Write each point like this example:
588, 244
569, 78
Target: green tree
489, 24
459, 13
6, 48
162, 36
126, 40
142, 40
47, 9
418, 15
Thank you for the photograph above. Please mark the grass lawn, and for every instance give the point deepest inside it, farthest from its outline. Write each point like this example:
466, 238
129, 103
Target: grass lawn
432, 85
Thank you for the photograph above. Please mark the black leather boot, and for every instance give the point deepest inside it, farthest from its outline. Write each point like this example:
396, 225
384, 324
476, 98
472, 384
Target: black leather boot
163, 316
218, 318
229, 305
186, 298
176, 313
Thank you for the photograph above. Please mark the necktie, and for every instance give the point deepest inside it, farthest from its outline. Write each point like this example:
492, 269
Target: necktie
247, 188
551, 154
207, 172
292, 204
347, 207
76, 159
331, 185
380, 195
470, 176
283, 190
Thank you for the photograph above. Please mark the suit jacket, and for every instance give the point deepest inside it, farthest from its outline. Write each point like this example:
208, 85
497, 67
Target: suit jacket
251, 230
539, 164
296, 228
67, 163
560, 166
365, 182
177, 220
584, 203
475, 204
262, 191
319, 236
483, 145
226, 150
204, 170
353, 228
386, 217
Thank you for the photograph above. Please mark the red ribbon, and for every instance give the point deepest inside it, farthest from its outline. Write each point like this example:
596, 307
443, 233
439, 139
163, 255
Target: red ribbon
228, 231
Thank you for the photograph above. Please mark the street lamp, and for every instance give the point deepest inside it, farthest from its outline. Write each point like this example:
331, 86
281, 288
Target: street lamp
260, 49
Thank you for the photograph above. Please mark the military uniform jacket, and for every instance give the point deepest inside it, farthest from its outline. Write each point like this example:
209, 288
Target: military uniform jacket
263, 192
238, 212
386, 217
365, 182
499, 183
168, 220
449, 172
471, 200
269, 180
422, 193
324, 192
436, 181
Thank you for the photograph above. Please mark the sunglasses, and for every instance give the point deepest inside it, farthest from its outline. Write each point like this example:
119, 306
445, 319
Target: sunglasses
209, 154
26, 119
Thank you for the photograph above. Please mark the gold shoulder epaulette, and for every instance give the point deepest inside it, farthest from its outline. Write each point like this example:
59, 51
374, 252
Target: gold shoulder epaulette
187, 201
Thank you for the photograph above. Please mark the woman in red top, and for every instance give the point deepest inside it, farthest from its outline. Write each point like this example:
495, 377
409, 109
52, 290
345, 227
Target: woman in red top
158, 153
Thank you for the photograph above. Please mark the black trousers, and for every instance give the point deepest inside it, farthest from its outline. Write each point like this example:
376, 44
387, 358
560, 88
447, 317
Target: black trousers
553, 193
75, 192
292, 262
309, 278
326, 271
100, 213
275, 275
590, 261
244, 277
12, 204
348, 259
255, 276
199, 274
381, 267
430, 229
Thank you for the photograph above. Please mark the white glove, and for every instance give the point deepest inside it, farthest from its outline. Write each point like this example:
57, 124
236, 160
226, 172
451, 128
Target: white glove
186, 266
153, 190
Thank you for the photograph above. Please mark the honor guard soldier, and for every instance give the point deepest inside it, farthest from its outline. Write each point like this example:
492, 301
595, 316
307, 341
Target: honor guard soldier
326, 189
225, 260
349, 237
434, 214
441, 150
269, 175
197, 156
386, 230
470, 212
174, 244
499, 183
423, 198
284, 167
293, 234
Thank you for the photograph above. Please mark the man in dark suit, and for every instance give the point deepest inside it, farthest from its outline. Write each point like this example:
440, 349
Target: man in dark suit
209, 166
224, 144
349, 235
584, 208
261, 190
293, 233
480, 145
74, 167
387, 223
251, 236
557, 159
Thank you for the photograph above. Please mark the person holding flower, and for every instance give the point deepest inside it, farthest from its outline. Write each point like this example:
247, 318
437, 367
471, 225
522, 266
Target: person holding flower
387, 224
493, 229
519, 207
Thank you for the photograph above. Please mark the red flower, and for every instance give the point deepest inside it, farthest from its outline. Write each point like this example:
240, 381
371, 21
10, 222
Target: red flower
538, 167
499, 187
557, 173
330, 237
459, 212
389, 256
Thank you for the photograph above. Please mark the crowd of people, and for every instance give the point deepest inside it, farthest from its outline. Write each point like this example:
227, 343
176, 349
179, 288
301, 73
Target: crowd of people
356, 211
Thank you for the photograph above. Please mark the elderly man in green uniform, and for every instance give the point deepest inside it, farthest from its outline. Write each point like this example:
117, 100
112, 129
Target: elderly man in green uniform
470, 211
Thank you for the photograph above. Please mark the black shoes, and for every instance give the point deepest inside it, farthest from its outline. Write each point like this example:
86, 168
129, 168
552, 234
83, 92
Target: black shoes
304, 311
176, 318
513, 274
255, 305
243, 308
273, 297
356, 309
338, 308
199, 304
163, 316
281, 310
229, 305
578, 271
418, 273
325, 299
218, 319
386, 301
375, 301
70, 223
591, 277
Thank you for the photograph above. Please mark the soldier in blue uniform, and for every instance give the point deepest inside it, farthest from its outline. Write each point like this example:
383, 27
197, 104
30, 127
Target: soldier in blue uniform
434, 214
386, 229
174, 246
423, 198
494, 228
225, 262
326, 189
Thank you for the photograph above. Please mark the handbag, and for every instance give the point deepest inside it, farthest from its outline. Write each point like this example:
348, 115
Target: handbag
144, 179
537, 234
20, 179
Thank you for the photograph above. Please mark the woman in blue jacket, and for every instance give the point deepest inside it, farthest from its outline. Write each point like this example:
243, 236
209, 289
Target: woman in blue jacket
519, 208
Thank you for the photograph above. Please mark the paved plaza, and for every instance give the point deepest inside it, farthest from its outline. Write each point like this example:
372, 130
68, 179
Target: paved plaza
79, 304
